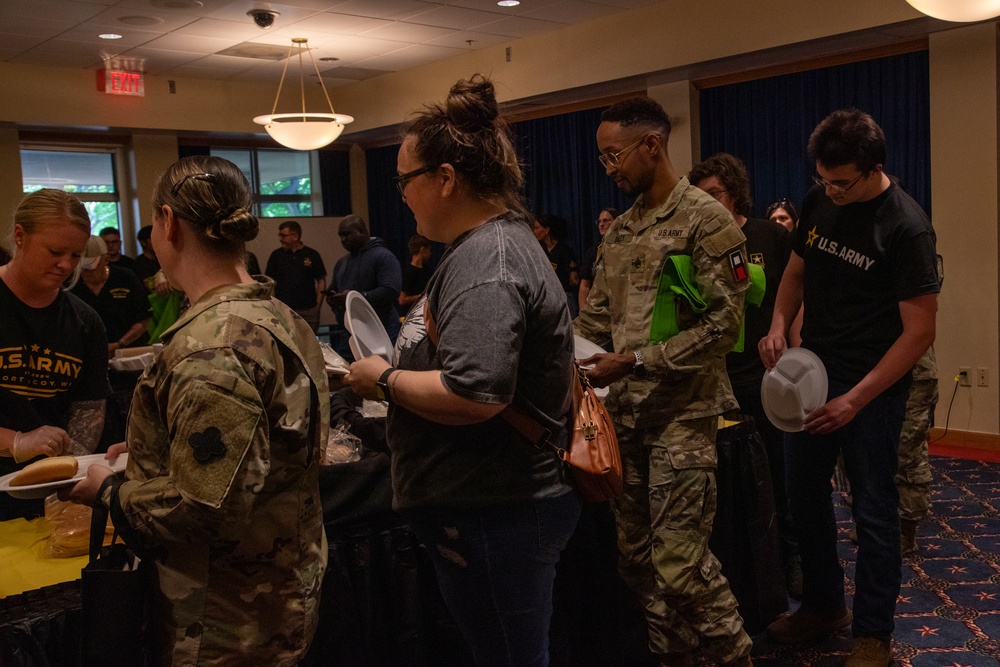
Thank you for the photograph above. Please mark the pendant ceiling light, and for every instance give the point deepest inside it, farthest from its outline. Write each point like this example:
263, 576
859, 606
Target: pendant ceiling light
958, 10
303, 131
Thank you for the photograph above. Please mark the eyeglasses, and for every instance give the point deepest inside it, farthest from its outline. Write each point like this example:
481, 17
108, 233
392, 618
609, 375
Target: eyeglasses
715, 193
615, 159
402, 179
836, 188
198, 177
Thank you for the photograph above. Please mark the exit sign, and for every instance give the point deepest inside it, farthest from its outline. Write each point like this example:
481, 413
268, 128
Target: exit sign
117, 82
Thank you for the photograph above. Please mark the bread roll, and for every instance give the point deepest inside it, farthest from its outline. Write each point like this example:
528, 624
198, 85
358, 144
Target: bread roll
52, 469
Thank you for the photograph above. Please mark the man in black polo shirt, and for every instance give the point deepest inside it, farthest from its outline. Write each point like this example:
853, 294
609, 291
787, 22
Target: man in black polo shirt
864, 268
298, 273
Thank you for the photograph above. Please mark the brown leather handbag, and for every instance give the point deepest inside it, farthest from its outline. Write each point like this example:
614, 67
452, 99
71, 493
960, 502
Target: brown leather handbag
592, 454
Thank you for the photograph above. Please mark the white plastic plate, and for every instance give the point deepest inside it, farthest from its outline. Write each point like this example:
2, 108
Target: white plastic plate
33, 491
796, 386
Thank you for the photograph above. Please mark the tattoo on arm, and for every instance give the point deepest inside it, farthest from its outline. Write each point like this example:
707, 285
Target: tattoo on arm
86, 422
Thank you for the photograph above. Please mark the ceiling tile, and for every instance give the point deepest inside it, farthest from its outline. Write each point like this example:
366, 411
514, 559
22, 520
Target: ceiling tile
517, 26
460, 40
571, 11
409, 57
342, 24
408, 32
220, 29
383, 9
204, 45
459, 18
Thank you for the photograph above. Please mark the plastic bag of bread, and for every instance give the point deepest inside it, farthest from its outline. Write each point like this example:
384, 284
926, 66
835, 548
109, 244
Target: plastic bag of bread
341, 446
70, 534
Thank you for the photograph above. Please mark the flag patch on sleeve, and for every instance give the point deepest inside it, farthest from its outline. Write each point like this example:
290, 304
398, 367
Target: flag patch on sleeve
738, 265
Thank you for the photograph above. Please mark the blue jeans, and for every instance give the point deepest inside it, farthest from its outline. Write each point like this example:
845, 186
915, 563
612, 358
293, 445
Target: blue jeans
495, 567
869, 444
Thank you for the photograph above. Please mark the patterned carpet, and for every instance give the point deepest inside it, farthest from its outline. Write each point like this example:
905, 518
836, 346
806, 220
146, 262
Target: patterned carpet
948, 613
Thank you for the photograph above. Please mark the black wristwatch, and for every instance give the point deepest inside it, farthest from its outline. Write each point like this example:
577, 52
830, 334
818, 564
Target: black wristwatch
382, 385
639, 370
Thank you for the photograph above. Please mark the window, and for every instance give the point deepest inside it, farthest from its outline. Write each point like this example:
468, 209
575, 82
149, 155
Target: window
281, 180
90, 174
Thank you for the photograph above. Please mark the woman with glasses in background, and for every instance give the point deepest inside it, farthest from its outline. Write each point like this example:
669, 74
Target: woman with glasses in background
783, 212
493, 331
224, 437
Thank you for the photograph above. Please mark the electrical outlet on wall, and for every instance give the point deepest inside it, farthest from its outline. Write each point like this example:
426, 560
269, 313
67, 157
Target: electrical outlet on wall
982, 377
965, 376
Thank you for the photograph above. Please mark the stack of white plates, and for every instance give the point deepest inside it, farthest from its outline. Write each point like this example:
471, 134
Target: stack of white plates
368, 336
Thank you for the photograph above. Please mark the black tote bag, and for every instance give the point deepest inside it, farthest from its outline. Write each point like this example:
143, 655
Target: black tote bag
115, 595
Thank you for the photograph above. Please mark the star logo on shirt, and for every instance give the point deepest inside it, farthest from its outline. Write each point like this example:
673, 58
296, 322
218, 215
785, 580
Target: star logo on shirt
35, 348
812, 236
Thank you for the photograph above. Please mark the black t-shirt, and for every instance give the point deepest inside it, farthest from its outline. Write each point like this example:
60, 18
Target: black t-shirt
563, 263
769, 245
123, 301
504, 336
145, 267
415, 279
49, 358
295, 273
861, 260
124, 262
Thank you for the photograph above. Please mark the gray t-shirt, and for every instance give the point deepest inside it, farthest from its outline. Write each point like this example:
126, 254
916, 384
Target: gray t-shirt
504, 335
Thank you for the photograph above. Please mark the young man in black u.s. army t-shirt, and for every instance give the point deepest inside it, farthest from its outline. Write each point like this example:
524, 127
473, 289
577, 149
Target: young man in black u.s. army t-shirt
864, 269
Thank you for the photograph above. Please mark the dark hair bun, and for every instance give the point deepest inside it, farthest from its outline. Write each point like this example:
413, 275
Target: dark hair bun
237, 225
472, 104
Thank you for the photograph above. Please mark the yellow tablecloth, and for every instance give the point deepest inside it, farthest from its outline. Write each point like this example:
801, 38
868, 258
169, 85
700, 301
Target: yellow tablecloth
22, 567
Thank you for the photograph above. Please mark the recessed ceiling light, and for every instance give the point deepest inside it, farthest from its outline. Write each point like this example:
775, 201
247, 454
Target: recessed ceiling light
509, 3
110, 35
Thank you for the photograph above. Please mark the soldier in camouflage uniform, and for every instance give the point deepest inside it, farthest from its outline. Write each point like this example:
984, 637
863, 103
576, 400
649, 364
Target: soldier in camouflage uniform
913, 478
221, 487
666, 397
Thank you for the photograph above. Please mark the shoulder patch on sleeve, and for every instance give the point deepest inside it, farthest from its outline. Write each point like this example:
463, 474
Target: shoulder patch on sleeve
738, 264
723, 239
213, 434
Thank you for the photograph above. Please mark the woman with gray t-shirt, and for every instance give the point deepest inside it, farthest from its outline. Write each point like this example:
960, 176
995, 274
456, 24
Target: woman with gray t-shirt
492, 330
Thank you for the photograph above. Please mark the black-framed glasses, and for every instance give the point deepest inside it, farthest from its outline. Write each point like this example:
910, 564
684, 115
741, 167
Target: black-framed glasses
402, 179
615, 159
715, 193
836, 188
203, 176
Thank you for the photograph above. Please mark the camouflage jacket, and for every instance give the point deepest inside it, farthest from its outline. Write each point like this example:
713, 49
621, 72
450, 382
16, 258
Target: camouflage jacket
926, 366
221, 487
686, 373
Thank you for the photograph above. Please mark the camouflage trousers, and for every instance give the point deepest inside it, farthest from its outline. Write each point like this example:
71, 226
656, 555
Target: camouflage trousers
664, 518
913, 477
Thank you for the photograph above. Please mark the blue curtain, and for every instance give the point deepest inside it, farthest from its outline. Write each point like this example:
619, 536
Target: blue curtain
335, 177
391, 219
562, 176
562, 173
767, 122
